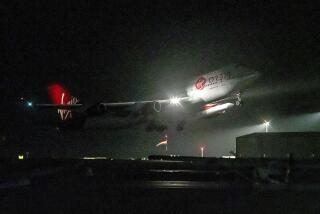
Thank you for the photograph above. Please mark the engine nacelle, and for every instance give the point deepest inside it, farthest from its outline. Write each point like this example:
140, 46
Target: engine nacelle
101, 108
97, 110
157, 106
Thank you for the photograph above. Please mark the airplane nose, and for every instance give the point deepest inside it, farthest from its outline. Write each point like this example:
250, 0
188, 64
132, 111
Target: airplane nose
247, 73
256, 75
252, 76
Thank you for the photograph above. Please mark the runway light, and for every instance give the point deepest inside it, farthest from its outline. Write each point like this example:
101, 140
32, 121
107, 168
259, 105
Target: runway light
94, 158
175, 100
29, 104
266, 124
202, 151
228, 156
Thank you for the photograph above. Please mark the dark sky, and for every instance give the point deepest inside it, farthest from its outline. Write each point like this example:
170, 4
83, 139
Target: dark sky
136, 50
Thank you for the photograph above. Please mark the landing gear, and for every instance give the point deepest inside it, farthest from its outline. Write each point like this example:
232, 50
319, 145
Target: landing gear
239, 102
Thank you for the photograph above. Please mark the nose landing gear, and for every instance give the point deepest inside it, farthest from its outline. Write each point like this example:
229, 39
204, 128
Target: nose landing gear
239, 102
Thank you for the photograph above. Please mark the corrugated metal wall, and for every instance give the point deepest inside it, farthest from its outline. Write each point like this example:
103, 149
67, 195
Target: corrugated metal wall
279, 145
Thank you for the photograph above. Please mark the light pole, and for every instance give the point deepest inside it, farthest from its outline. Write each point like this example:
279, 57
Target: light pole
266, 124
202, 151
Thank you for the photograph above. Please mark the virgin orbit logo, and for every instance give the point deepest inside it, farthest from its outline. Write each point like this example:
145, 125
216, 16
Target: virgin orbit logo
200, 83
66, 114
61, 96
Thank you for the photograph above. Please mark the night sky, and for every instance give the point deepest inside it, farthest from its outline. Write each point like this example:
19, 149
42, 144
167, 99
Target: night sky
140, 50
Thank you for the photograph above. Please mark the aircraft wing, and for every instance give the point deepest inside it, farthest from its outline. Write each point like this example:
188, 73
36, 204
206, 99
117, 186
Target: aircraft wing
113, 104
67, 106
58, 106
166, 101
137, 106
64, 102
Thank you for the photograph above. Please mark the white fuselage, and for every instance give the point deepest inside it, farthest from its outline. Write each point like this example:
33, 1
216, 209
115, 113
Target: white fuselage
219, 83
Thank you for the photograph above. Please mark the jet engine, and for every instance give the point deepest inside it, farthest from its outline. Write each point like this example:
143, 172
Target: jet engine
101, 108
214, 108
97, 110
157, 106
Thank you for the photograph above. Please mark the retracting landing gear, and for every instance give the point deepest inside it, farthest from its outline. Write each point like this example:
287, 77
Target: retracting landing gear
239, 102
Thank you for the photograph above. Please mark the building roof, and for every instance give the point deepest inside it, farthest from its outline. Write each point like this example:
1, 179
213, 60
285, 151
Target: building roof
291, 134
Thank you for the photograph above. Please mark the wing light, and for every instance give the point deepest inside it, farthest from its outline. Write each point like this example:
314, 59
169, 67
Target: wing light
29, 104
175, 101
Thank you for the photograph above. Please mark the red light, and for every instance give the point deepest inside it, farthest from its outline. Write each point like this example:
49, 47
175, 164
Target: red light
208, 106
58, 94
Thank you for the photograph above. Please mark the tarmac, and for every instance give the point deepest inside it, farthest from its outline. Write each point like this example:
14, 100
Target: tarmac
161, 184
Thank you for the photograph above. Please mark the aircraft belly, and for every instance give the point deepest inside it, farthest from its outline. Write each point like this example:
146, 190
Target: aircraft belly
216, 91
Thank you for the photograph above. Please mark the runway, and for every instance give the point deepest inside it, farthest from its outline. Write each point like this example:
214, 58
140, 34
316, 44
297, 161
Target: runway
187, 185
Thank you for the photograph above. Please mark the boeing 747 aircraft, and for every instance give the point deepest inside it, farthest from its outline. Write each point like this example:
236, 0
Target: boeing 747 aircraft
207, 95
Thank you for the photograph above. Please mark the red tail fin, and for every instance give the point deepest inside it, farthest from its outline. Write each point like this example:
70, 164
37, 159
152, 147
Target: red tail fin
59, 95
